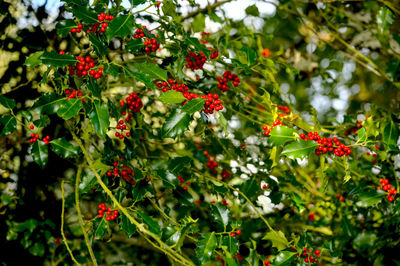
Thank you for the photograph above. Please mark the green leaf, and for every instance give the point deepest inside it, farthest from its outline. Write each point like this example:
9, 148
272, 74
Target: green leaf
280, 135
69, 108
205, 247
171, 236
101, 229
224, 123
40, 153
167, 177
198, 46
176, 124
43, 121
8, 125
298, 202
135, 45
64, 148
250, 55
150, 70
99, 117
6, 102
391, 135
284, 258
232, 244
220, 214
278, 239
364, 241
85, 14
37, 249
250, 187
64, 26
25, 114
171, 96
98, 45
154, 227
384, 19
94, 88
194, 105
127, 226
57, 60
48, 103
121, 26
177, 164
299, 149
199, 23
370, 198
168, 8
88, 181
362, 136
252, 11
34, 59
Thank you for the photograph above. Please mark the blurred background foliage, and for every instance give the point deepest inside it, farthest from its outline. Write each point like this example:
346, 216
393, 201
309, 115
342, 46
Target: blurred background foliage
334, 60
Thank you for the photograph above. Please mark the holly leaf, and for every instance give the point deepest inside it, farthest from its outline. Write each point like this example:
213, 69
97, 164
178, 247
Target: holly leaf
299, 149
40, 153
205, 246
88, 181
99, 117
94, 88
34, 59
85, 14
199, 23
69, 108
178, 163
284, 258
252, 11
8, 125
135, 45
48, 103
154, 227
250, 187
171, 236
194, 105
152, 71
171, 96
127, 226
43, 121
121, 26
101, 229
280, 135
231, 243
384, 19
25, 114
176, 124
64, 148
370, 198
6, 102
57, 60
99, 47
391, 135
64, 26
167, 177
278, 239
198, 46
220, 213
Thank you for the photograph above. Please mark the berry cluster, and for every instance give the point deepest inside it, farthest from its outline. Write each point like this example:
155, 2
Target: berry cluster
214, 54
238, 256
122, 170
327, 144
212, 103
267, 131
195, 61
284, 108
225, 174
388, 187
85, 67
150, 44
99, 28
373, 155
237, 232
133, 102
170, 85
182, 181
107, 212
310, 257
353, 129
203, 41
340, 197
223, 81
211, 164
74, 94
267, 263
121, 126
35, 137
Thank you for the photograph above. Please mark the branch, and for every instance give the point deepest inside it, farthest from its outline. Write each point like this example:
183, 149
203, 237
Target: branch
207, 8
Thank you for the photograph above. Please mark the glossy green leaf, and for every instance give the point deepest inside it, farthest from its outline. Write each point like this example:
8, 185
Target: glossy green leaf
176, 165
57, 60
134, 45
40, 153
85, 14
284, 258
168, 8
198, 46
199, 23
34, 59
69, 108
220, 214
26, 114
384, 18
299, 149
370, 198
298, 202
99, 117
64, 148
8, 125
205, 246
194, 105
98, 45
152, 71
167, 177
364, 241
101, 228
391, 135
278, 239
94, 88
176, 124
250, 187
88, 181
6, 102
127, 226
280, 135
154, 227
231, 243
121, 26
37, 249
362, 136
171, 96
171, 236
43, 121
64, 26
252, 10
